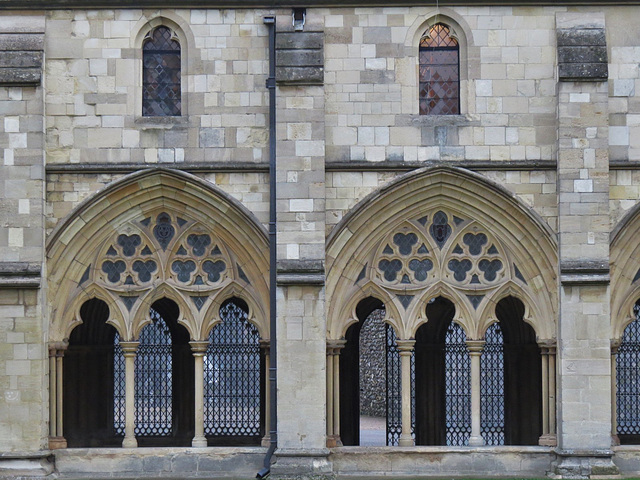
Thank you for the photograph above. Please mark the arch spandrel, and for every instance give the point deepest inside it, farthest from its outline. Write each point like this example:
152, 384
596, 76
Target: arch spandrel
518, 241
82, 246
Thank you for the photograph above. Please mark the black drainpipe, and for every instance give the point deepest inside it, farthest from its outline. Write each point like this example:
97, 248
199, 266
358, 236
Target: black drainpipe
273, 366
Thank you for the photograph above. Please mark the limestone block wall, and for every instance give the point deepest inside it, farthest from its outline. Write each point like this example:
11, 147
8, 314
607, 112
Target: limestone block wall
94, 99
65, 191
508, 86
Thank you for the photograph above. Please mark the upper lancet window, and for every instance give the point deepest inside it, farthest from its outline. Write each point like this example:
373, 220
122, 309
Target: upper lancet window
161, 90
439, 72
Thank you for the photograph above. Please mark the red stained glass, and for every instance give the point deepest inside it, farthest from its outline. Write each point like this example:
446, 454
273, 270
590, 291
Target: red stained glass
439, 72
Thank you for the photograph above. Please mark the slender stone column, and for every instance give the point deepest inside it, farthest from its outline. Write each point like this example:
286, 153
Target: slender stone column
545, 391
406, 349
330, 406
56, 431
129, 351
475, 350
333, 392
615, 440
549, 437
265, 346
338, 346
199, 350
552, 393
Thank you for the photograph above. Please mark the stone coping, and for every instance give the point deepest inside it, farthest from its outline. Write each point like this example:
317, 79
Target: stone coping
110, 4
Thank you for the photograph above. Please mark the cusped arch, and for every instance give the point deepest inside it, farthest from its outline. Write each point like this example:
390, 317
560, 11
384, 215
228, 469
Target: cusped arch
257, 315
348, 313
462, 315
142, 315
532, 314
625, 271
71, 248
62, 332
531, 243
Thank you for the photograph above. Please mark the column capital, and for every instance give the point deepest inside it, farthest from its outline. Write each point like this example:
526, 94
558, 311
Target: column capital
334, 346
615, 345
129, 348
475, 346
265, 344
199, 347
56, 349
405, 346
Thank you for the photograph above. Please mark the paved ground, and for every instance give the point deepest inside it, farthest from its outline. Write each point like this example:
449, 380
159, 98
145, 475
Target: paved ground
373, 431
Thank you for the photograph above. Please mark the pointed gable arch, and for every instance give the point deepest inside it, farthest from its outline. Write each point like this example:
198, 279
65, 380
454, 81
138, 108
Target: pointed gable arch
158, 230
506, 243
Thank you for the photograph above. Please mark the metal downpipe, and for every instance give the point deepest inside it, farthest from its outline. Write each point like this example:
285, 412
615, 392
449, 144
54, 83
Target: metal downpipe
270, 21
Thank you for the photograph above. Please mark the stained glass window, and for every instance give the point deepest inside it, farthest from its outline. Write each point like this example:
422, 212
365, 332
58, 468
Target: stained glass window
439, 72
161, 94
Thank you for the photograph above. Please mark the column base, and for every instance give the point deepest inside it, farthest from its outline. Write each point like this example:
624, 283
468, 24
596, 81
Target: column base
302, 465
55, 443
266, 441
406, 441
585, 464
334, 441
476, 441
615, 440
548, 440
130, 442
199, 442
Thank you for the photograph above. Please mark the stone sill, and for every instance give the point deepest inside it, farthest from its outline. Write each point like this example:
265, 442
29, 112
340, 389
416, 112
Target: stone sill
169, 122
533, 449
153, 451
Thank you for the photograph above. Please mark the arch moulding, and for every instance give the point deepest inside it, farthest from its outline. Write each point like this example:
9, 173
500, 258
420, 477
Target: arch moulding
153, 234
442, 232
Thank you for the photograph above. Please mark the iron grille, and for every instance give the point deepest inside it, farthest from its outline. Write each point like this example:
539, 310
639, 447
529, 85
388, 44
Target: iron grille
628, 379
492, 387
232, 376
118, 387
457, 386
153, 385
394, 390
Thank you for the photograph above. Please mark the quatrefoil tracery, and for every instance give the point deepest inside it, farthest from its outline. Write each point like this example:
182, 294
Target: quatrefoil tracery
164, 248
441, 246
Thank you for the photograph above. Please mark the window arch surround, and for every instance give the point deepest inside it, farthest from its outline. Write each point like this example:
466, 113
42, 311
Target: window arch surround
469, 58
189, 56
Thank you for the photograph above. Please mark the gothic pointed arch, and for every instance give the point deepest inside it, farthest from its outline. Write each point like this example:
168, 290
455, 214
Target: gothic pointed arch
450, 227
625, 272
152, 234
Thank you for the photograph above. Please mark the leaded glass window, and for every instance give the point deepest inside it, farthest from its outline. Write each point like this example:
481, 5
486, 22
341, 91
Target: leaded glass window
161, 95
492, 387
439, 72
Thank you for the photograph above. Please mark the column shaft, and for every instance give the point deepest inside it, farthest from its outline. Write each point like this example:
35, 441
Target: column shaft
129, 350
406, 348
475, 350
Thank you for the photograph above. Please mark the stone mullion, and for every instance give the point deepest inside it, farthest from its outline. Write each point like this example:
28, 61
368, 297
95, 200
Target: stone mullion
406, 350
475, 351
129, 350
333, 392
548, 437
199, 350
